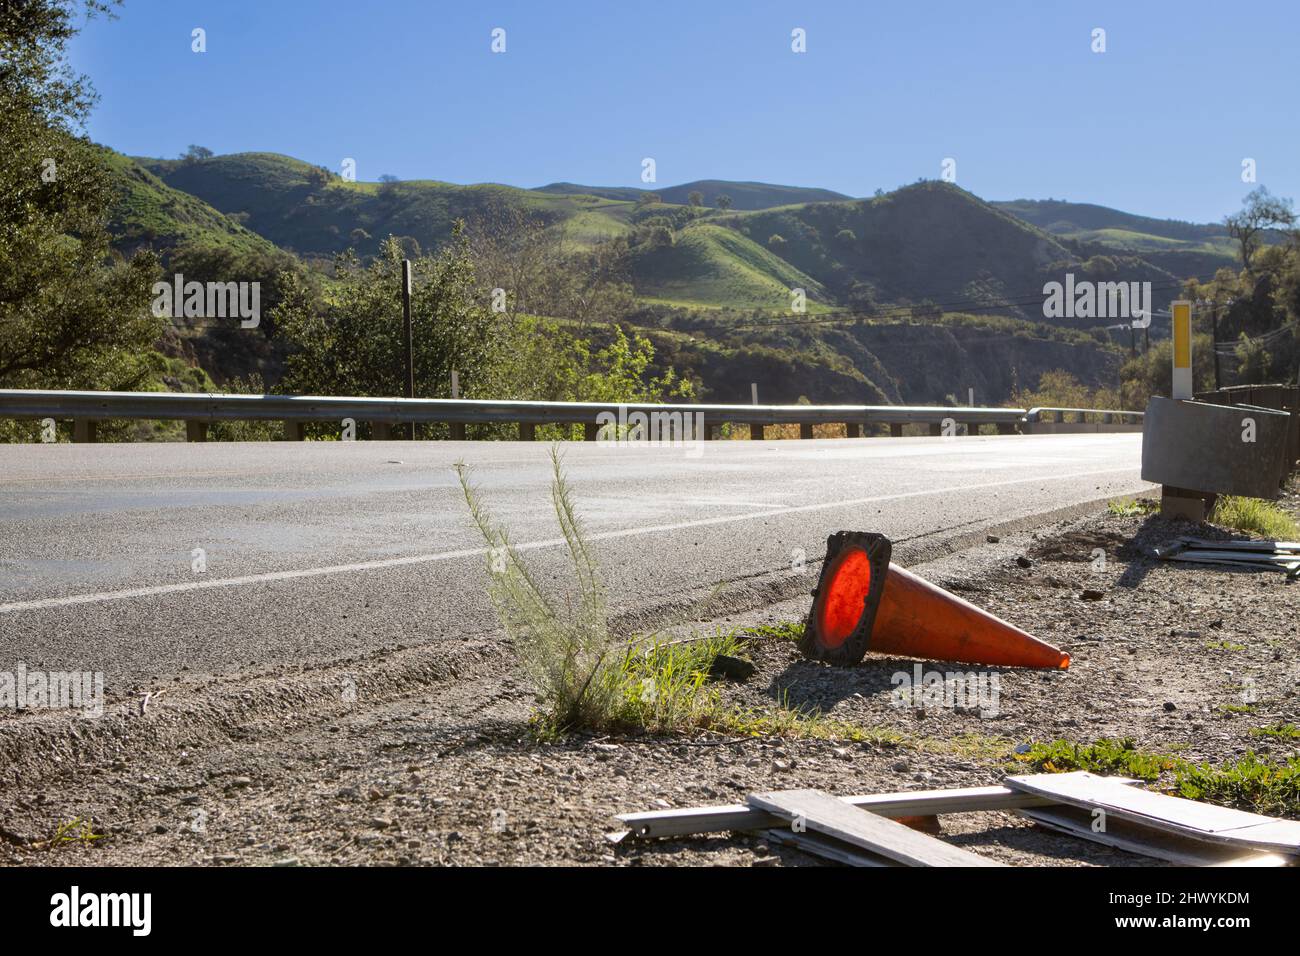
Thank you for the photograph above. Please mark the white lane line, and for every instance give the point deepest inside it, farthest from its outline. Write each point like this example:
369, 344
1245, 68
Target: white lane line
102, 596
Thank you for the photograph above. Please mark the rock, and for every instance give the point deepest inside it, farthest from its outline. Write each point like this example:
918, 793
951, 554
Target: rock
992, 539
381, 823
240, 782
1170, 706
736, 669
1092, 594
1024, 562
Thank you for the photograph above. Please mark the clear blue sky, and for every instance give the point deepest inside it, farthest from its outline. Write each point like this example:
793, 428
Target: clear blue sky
1158, 124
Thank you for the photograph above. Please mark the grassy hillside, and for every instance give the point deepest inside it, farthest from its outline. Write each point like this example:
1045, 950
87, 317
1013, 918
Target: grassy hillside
285, 200
929, 246
709, 265
927, 242
1183, 248
148, 212
743, 195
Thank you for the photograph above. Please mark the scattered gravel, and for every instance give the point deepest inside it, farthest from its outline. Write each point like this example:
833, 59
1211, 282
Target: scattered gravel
441, 769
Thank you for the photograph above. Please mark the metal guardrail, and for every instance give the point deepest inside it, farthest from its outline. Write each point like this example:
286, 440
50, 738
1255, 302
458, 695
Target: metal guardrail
200, 409
1109, 416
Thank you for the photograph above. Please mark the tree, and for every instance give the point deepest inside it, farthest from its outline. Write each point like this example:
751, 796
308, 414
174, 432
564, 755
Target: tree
723, 201
1260, 210
352, 343
72, 315
695, 198
529, 257
196, 154
649, 199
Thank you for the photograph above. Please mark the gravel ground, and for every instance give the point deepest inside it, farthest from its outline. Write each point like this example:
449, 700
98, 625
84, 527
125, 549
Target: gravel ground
421, 756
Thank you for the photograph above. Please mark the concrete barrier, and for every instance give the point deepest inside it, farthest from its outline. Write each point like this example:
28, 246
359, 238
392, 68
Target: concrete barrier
1216, 449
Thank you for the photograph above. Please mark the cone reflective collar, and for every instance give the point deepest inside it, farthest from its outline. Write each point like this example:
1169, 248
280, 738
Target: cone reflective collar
863, 603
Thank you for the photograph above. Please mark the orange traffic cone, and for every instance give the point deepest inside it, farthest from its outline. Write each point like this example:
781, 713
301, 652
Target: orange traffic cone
862, 603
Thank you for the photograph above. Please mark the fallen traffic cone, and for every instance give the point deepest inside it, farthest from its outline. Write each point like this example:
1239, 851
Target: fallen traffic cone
863, 603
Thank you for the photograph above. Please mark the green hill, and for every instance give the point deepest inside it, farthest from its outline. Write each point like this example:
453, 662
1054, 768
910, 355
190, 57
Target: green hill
927, 243
150, 213
743, 195
909, 259
1184, 248
297, 207
709, 265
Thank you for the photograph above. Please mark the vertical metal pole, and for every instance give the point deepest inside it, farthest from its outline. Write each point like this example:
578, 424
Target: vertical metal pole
408, 338
753, 393
1214, 335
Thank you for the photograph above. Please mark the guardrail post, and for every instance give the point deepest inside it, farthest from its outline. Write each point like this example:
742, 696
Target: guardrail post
895, 429
1006, 428
755, 432
457, 430
805, 430
936, 429
85, 430
196, 431
381, 431
527, 431
852, 429
295, 431
590, 431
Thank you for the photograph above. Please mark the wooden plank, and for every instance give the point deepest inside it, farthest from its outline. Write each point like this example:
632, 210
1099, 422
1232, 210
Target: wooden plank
739, 816
825, 814
815, 844
1146, 841
1200, 821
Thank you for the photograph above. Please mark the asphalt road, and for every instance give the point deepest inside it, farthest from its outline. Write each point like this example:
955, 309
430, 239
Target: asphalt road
316, 551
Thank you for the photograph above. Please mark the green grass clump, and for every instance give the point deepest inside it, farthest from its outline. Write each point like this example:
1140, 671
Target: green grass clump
662, 686
1278, 731
77, 830
782, 631
1131, 507
588, 678
1224, 646
1250, 782
1107, 756
1255, 516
